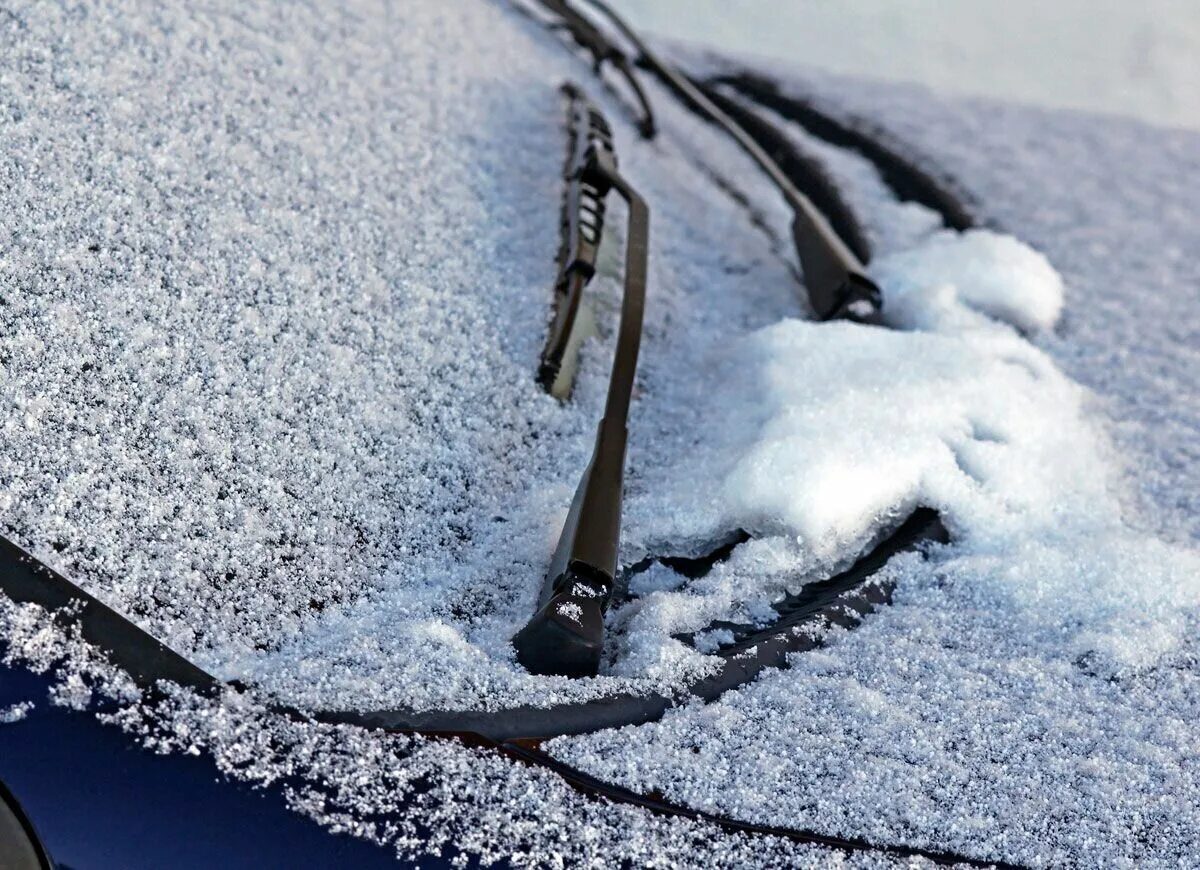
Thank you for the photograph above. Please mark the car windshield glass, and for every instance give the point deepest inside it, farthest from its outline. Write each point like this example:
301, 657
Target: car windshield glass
388, 425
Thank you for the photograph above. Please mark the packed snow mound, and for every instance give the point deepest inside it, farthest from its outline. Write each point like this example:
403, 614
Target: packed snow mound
830, 432
986, 271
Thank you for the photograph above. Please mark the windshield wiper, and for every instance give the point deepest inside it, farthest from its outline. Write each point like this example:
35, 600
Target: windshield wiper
836, 279
582, 228
566, 634
603, 50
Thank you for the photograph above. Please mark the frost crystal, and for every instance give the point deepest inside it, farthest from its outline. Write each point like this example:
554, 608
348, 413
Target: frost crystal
15, 713
570, 610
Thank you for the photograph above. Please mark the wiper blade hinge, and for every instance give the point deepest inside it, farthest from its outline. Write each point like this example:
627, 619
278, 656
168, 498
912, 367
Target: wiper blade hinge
836, 279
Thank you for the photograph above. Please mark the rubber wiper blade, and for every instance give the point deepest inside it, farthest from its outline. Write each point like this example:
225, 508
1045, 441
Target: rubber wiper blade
836, 279
582, 229
566, 634
603, 50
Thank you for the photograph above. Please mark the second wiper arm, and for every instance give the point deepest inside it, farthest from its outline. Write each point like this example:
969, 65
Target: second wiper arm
566, 634
603, 50
837, 281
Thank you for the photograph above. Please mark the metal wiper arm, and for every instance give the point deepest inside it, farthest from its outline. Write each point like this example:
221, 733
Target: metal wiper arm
566, 634
837, 281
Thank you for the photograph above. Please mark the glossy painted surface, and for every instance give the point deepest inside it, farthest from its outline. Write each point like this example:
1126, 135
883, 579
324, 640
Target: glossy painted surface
99, 801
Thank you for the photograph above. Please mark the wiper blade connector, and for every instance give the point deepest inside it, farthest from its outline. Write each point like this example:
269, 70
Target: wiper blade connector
566, 634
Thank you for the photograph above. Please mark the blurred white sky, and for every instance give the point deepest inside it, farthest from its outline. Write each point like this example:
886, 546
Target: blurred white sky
1130, 57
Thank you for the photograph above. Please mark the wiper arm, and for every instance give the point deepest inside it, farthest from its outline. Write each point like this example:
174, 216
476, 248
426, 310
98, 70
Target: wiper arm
592, 39
566, 634
837, 281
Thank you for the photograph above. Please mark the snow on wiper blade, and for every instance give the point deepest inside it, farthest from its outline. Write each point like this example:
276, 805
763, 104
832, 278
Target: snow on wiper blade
566, 634
910, 177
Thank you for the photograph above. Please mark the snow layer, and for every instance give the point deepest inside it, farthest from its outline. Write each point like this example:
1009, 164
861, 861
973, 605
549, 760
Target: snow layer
15, 713
430, 800
277, 281
942, 722
1033, 700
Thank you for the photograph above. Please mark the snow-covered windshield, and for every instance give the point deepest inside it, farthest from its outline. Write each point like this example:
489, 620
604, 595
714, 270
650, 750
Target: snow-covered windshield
274, 282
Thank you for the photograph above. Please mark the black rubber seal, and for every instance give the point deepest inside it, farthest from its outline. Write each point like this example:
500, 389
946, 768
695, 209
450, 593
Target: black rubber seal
147, 660
590, 785
842, 600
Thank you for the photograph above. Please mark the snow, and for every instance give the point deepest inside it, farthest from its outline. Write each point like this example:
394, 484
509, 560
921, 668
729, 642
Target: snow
1034, 700
1108, 203
423, 798
829, 431
15, 712
987, 272
939, 723
571, 611
277, 281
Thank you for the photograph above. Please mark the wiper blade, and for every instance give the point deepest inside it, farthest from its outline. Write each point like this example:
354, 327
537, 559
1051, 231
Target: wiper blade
836, 279
603, 50
566, 634
582, 229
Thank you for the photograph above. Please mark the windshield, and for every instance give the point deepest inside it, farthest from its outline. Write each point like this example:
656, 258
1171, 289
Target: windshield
315, 403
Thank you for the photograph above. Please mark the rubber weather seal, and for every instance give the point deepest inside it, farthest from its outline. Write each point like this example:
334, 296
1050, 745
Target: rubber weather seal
146, 659
842, 600
590, 785
693, 566
566, 634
